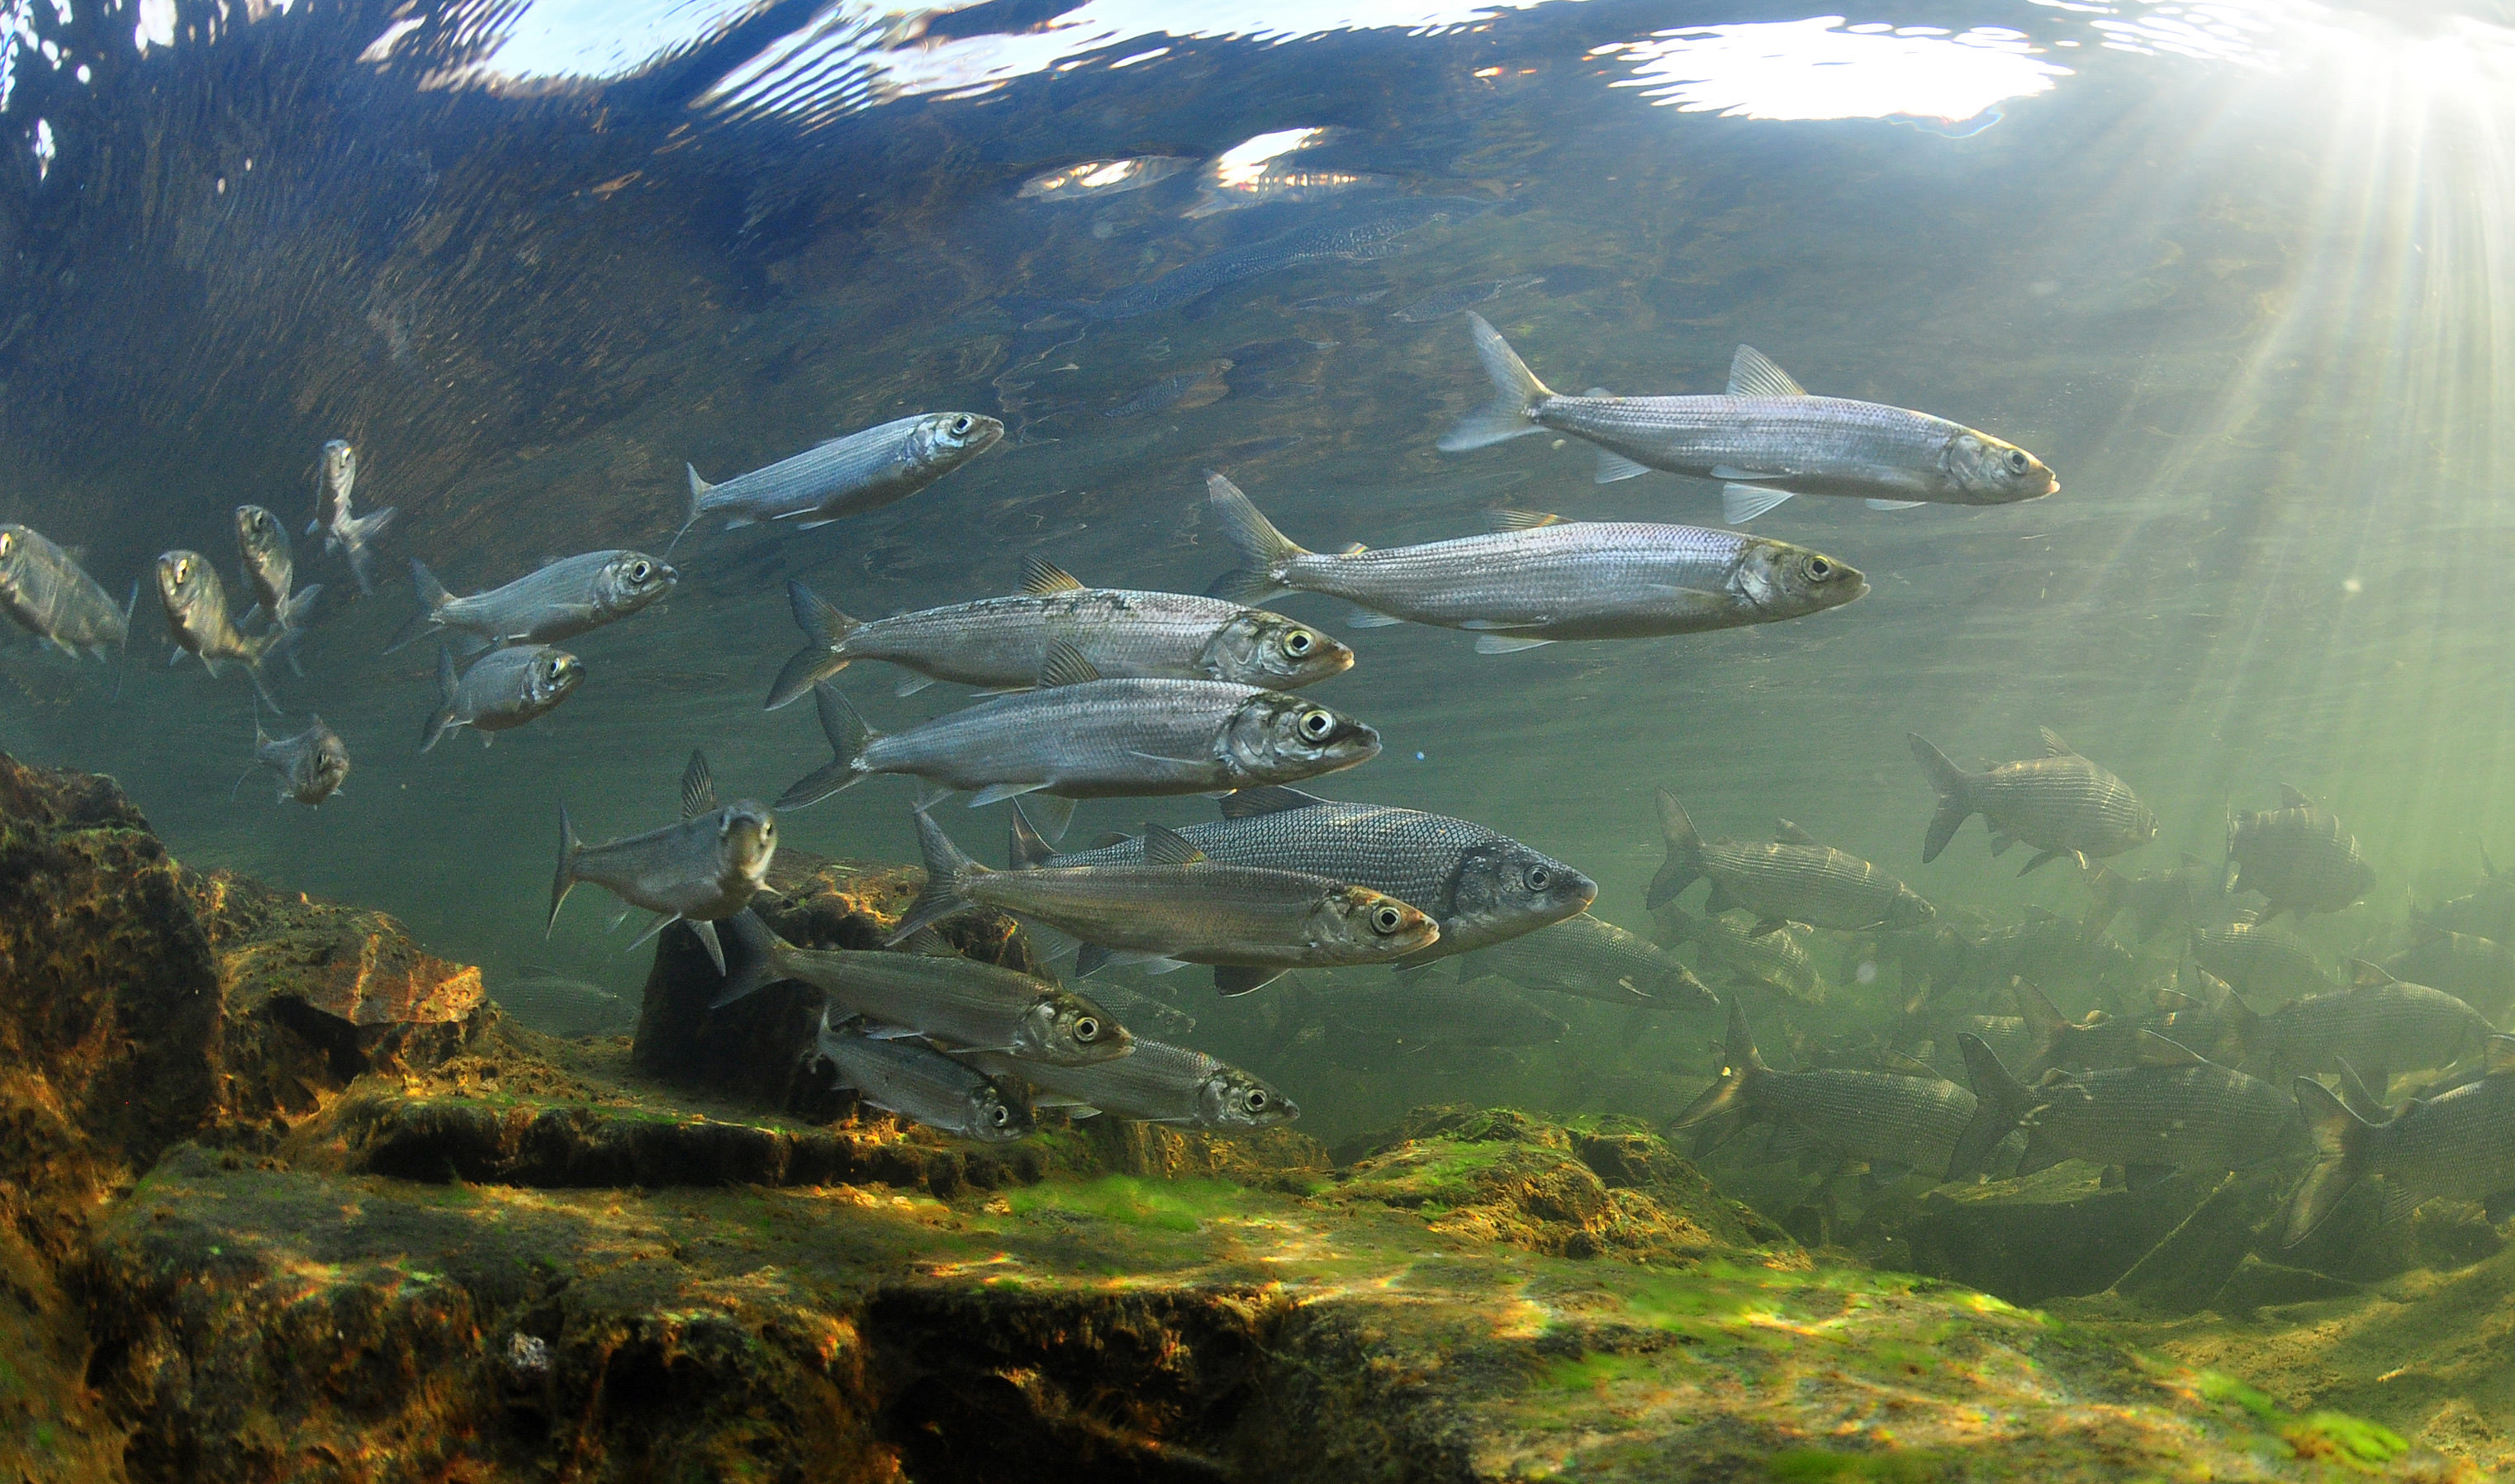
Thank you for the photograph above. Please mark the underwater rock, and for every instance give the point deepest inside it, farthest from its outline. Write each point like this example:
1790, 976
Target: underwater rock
2052, 1234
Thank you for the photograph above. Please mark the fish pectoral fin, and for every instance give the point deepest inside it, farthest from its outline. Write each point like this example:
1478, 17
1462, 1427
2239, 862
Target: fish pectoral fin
706, 934
1894, 505
1365, 618
2043, 859
663, 920
1235, 980
1767, 926
1158, 963
1614, 467
1137, 752
910, 683
905, 1033
1741, 502
1504, 643
998, 793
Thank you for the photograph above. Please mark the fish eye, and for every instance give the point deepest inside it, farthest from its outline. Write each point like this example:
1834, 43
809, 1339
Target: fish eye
640, 572
1298, 642
962, 423
1539, 878
1819, 568
1000, 1115
1385, 918
183, 571
1316, 725
1257, 1099
1087, 1029
2017, 460
7, 543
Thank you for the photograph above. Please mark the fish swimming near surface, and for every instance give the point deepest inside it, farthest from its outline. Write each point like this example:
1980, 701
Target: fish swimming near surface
2298, 856
2172, 1111
848, 475
2477, 970
2060, 803
1001, 643
344, 532
1793, 879
571, 596
1156, 1083
700, 871
921, 1083
968, 1004
1483, 887
499, 690
2177, 899
1591, 959
310, 765
271, 569
2260, 961
51, 596
196, 610
2378, 1026
1540, 579
1249, 924
1766, 441
2459, 1144
1736, 956
1885, 1118
1081, 736
1442, 302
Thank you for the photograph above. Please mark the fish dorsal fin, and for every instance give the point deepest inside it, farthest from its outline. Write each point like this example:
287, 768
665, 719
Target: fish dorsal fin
1267, 799
2176, 1002
1163, 847
1522, 520
1041, 576
1111, 837
698, 787
2053, 746
2366, 976
1353, 549
2155, 1050
1906, 1065
2499, 1057
2291, 799
1065, 666
1790, 834
1751, 373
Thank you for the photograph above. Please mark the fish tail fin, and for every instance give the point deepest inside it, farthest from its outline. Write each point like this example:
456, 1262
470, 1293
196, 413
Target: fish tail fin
569, 848
1740, 1063
1684, 852
942, 896
699, 506
1948, 781
1263, 549
2339, 1159
433, 599
1025, 849
357, 538
755, 957
825, 636
2108, 894
1999, 1106
299, 605
442, 718
847, 735
1517, 394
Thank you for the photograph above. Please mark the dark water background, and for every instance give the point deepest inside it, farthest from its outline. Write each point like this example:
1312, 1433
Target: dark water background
2240, 276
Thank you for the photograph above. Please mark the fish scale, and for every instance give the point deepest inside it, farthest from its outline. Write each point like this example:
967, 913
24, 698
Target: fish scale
924, 1084
2059, 803
2458, 1144
1583, 954
1192, 912
862, 471
1817, 444
2204, 1117
1816, 884
1006, 640
49, 594
1156, 1083
1093, 739
1879, 1116
2396, 1026
2300, 857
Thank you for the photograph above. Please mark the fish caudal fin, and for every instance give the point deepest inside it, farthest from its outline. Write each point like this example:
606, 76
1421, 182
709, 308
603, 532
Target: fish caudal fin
433, 599
942, 897
1739, 1065
848, 735
357, 537
1517, 394
2001, 1104
699, 506
2339, 1159
442, 718
1263, 549
569, 848
1684, 852
1948, 781
753, 957
824, 653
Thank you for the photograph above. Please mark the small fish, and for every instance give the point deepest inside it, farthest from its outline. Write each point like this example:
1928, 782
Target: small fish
2460, 1144
572, 596
342, 531
2474, 969
2298, 856
270, 568
1157, 1083
1001, 643
1443, 302
700, 871
2060, 803
1886, 1118
310, 765
1794, 880
197, 609
1591, 959
1275, 184
971, 1006
2260, 961
2378, 1026
848, 475
53, 599
2177, 899
1199, 386
542, 993
921, 1083
1540, 579
1766, 441
502, 689
1249, 924
1341, 301
1741, 958
2172, 1111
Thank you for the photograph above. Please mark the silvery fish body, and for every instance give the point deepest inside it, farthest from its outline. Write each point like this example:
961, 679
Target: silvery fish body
1881, 1117
1594, 960
2178, 899
2173, 1111
310, 765
52, 598
353, 535
2261, 962
197, 609
501, 690
269, 565
701, 871
2459, 1144
1793, 879
2060, 803
570, 597
1005, 642
2298, 856
1738, 955
922, 1084
848, 475
1481, 886
1156, 1083
2380, 1025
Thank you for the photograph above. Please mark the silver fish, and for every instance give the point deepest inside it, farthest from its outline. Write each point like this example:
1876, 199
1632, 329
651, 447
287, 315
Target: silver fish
847, 475
1766, 441
2260, 961
197, 609
1079, 736
1885, 1118
2172, 1110
1251, 925
2474, 969
502, 689
1540, 579
920, 1085
1741, 957
1003, 642
2297, 856
973, 1006
53, 599
342, 531
2378, 1026
1594, 960
1157, 1083
271, 569
2178, 899
2460, 1144
572, 596
2060, 803
700, 871
1481, 886
1793, 879
310, 765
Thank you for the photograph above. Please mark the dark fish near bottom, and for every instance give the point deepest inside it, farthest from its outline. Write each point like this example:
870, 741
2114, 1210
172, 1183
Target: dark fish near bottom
2459, 1144
1156, 1083
922, 1084
2173, 1111
1883, 1117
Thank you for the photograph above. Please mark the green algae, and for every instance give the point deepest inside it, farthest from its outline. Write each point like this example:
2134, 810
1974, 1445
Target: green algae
1177, 1205
1815, 1464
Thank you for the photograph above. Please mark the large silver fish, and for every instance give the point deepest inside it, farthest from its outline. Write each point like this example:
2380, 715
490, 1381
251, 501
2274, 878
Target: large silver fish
2478, 969
1079, 736
1249, 924
1793, 879
572, 596
1766, 441
354, 535
920, 1085
700, 871
1885, 1118
2060, 803
270, 570
1481, 886
971, 1006
2459, 1144
2173, 1110
197, 609
847, 475
2378, 1026
53, 599
2298, 856
1591, 959
500, 690
1156, 1083
1539, 579
1003, 642
310, 765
